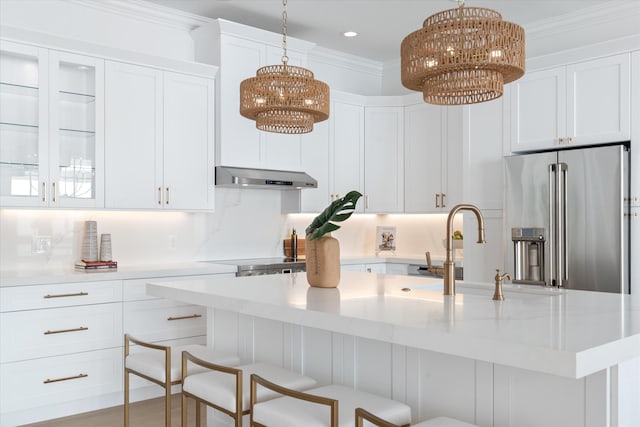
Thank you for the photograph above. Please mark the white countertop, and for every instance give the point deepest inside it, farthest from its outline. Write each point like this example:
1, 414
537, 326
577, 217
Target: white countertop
566, 333
70, 275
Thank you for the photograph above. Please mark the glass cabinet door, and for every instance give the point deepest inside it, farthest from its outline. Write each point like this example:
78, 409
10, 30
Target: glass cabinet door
76, 112
23, 125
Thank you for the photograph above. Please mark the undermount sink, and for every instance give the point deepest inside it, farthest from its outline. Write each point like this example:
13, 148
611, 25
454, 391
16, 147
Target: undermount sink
486, 289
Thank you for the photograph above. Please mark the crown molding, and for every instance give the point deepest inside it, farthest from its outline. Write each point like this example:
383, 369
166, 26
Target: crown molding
611, 12
346, 61
149, 12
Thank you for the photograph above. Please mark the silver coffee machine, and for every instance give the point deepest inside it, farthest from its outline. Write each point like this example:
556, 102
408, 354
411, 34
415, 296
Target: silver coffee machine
528, 255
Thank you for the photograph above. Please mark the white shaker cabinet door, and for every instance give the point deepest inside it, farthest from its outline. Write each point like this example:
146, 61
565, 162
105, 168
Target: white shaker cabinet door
538, 110
133, 123
423, 145
635, 129
384, 159
484, 128
598, 109
315, 162
346, 162
188, 142
239, 139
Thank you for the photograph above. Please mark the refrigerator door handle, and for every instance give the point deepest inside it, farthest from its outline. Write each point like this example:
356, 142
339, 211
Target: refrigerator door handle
563, 243
552, 226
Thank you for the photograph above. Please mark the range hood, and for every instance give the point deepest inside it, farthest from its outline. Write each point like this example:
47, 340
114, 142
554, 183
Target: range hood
227, 176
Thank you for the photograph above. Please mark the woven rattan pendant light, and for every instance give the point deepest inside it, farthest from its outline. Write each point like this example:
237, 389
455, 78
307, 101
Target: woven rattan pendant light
462, 56
283, 98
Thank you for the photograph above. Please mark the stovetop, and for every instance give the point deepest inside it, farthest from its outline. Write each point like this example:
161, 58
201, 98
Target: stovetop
263, 263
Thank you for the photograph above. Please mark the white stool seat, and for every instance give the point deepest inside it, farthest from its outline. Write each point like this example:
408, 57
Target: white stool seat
290, 412
220, 388
443, 422
151, 363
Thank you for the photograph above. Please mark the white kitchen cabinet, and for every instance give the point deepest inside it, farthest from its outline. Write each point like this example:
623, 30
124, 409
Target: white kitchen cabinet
384, 159
60, 343
433, 156
315, 162
578, 104
159, 147
485, 130
346, 150
51, 385
239, 51
635, 128
160, 321
52, 128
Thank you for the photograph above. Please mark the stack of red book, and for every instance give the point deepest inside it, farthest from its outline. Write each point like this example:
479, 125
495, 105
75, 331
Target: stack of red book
96, 265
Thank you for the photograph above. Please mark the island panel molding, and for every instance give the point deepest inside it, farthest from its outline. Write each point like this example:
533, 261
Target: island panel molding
568, 341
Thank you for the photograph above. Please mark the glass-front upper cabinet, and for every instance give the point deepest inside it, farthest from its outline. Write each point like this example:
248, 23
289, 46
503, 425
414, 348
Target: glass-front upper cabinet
51, 128
24, 94
76, 130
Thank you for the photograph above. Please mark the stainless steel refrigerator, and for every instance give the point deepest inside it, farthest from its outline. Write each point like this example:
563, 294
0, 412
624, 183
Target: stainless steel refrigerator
565, 218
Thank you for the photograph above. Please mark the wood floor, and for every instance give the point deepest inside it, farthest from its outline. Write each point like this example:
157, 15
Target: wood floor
148, 413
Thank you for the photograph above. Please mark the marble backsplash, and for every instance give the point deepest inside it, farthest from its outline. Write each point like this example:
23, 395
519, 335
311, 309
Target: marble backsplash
246, 224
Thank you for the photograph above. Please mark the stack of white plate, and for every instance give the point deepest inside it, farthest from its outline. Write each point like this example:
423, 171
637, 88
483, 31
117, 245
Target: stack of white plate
90, 241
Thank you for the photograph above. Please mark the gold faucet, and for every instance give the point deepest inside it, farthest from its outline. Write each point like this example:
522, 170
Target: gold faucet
449, 264
497, 293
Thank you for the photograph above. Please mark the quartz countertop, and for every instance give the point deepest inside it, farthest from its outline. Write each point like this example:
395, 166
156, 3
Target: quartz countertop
139, 271
70, 275
559, 332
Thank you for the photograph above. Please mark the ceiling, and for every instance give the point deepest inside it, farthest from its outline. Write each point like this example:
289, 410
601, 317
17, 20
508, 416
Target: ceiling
381, 24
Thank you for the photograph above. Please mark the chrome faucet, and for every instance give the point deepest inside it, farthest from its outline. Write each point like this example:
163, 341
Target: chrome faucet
449, 264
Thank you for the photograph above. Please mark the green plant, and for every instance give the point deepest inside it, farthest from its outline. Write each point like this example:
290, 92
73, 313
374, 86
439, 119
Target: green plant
338, 211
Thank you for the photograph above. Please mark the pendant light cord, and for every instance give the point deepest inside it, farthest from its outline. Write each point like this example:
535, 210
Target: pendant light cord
285, 58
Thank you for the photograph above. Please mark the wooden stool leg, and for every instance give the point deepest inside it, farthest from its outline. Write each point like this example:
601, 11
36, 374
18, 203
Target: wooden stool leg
198, 415
183, 408
126, 398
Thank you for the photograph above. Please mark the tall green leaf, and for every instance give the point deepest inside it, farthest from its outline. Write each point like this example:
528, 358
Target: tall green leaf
338, 211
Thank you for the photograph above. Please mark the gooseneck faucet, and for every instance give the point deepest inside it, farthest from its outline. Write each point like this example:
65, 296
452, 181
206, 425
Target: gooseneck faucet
449, 264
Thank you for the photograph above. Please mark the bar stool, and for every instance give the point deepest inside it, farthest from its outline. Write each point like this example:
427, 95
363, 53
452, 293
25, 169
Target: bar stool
296, 408
363, 414
227, 388
162, 365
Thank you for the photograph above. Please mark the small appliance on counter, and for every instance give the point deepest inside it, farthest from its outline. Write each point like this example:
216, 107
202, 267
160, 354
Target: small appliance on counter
294, 247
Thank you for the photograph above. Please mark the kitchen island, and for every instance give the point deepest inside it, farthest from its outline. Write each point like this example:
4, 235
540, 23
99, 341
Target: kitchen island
541, 357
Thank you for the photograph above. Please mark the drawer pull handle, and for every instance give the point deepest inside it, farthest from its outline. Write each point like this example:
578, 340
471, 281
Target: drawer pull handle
48, 381
62, 331
79, 294
191, 316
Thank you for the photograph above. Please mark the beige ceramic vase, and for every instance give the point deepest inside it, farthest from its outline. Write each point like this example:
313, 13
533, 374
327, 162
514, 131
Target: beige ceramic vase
323, 261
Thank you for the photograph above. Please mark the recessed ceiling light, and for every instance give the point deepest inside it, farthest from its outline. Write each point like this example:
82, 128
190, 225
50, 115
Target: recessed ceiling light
350, 34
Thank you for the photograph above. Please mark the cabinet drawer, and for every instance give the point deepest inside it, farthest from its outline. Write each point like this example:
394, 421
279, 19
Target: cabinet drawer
43, 333
59, 295
41, 382
160, 319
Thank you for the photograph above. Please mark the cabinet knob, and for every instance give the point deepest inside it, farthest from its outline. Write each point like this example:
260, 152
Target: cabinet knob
444, 204
366, 202
167, 200
44, 192
53, 192
160, 195
560, 141
437, 200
